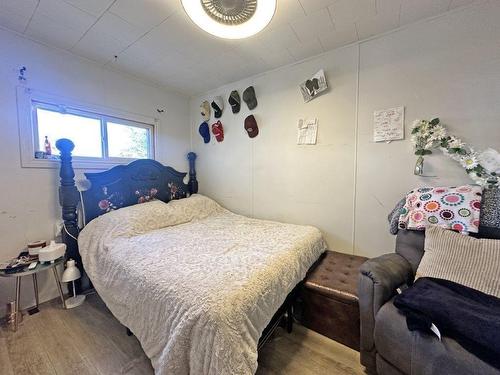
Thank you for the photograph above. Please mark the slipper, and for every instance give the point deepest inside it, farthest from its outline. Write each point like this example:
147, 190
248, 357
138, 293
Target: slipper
218, 131
315, 83
310, 87
251, 126
204, 132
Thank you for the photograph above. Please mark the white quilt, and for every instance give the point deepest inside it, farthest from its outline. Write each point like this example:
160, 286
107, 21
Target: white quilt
194, 282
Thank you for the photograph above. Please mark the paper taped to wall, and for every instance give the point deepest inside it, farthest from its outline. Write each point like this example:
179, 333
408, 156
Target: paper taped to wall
389, 124
307, 131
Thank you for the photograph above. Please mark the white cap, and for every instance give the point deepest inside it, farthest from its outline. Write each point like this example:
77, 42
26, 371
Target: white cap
205, 110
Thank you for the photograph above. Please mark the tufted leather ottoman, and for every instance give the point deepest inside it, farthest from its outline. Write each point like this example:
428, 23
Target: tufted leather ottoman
330, 298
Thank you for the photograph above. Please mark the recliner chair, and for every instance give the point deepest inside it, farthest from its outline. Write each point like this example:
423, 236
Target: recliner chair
387, 346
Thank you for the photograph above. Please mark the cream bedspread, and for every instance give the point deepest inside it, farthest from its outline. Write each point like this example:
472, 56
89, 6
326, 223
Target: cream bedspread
194, 282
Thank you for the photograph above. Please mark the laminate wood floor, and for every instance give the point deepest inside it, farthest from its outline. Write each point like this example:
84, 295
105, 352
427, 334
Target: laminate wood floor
89, 340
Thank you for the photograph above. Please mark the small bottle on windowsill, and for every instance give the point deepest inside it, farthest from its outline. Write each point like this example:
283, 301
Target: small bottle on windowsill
48, 147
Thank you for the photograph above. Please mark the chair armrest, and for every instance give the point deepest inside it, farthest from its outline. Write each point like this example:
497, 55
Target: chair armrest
379, 277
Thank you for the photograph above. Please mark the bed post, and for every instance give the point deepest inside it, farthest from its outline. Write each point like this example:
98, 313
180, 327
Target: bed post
193, 182
68, 199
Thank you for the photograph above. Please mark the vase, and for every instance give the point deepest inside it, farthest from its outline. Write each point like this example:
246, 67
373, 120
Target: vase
490, 207
419, 166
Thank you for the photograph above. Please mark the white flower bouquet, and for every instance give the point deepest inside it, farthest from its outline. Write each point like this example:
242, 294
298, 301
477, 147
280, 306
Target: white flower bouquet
428, 135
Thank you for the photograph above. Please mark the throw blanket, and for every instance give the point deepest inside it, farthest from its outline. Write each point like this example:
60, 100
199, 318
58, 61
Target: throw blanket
466, 315
194, 282
456, 208
394, 215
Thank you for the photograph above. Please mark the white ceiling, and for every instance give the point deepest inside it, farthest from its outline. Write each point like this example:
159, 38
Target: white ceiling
155, 40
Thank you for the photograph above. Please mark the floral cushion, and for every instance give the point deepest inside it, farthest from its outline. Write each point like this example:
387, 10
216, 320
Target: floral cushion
456, 208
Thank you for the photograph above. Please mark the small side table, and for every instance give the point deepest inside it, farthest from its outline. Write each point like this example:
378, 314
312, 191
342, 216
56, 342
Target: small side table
39, 268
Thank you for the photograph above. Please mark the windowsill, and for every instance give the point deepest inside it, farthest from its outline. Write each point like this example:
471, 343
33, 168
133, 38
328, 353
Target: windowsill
77, 163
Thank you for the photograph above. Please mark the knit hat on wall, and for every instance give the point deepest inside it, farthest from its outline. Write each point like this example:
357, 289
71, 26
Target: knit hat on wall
218, 106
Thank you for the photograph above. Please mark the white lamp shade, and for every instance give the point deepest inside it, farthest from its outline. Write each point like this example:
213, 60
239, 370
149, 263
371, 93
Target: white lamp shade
71, 273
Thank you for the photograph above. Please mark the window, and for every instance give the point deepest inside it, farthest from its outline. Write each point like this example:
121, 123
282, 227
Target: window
102, 137
94, 135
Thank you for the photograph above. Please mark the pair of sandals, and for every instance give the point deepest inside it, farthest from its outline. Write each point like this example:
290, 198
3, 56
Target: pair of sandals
312, 85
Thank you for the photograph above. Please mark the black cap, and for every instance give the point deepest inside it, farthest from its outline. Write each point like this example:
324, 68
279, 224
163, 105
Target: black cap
235, 101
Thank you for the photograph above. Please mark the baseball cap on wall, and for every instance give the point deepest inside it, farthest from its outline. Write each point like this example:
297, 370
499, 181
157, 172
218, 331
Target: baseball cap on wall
205, 110
204, 131
251, 126
218, 106
250, 98
235, 101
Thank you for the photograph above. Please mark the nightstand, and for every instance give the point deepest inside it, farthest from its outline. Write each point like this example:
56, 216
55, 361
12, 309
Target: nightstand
39, 268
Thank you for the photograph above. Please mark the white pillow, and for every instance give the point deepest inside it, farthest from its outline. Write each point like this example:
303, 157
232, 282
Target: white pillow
462, 259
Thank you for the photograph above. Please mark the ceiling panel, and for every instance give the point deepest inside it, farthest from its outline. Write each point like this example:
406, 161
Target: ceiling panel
95, 7
459, 3
302, 51
311, 6
14, 21
385, 19
339, 37
412, 10
313, 25
65, 15
145, 13
19, 7
44, 29
155, 39
346, 12
286, 10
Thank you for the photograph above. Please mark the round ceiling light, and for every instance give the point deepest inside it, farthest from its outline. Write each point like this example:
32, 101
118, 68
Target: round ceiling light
230, 19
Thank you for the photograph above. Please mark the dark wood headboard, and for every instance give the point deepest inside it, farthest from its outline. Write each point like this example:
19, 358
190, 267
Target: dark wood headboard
121, 186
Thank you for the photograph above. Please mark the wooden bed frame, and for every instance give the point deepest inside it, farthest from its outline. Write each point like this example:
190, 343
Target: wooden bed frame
126, 185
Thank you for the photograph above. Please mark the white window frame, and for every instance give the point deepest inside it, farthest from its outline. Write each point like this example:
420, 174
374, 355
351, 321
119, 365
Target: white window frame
28, 100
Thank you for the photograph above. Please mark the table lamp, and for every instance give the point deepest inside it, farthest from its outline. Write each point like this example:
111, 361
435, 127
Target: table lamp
70, 274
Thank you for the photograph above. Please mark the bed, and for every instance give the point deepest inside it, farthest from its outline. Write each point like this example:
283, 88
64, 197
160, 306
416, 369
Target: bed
199, 286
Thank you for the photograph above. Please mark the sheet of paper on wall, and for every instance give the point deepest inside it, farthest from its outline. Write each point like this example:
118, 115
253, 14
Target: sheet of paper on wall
307, 131
389, 124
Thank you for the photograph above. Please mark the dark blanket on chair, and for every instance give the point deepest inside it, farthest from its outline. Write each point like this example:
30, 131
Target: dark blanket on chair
466, 315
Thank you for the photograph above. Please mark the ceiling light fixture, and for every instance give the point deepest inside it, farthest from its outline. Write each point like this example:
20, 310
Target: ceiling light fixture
230, 19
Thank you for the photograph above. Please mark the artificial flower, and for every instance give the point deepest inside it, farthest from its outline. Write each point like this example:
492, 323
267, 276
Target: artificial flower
438, 132
455, 142
427, 135
469, 161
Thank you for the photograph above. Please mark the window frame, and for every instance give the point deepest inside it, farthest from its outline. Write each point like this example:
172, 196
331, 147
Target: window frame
28, 102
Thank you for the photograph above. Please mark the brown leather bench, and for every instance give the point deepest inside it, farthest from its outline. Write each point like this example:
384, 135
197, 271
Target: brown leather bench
330, 298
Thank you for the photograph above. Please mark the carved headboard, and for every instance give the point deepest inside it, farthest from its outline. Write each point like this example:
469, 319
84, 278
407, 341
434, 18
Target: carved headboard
126, 185
121, 186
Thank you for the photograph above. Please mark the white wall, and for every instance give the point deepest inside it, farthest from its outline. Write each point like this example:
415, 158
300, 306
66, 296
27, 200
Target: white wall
28, 197
346, 184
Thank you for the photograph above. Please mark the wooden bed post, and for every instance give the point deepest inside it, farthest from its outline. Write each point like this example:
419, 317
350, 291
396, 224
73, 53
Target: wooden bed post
68, 199
193, 182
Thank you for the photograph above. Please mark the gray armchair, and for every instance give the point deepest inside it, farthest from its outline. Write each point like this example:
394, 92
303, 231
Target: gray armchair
387, 346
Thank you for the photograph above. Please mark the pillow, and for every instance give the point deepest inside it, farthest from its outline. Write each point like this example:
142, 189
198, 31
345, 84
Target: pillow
153, 215
456, 208
462, 259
